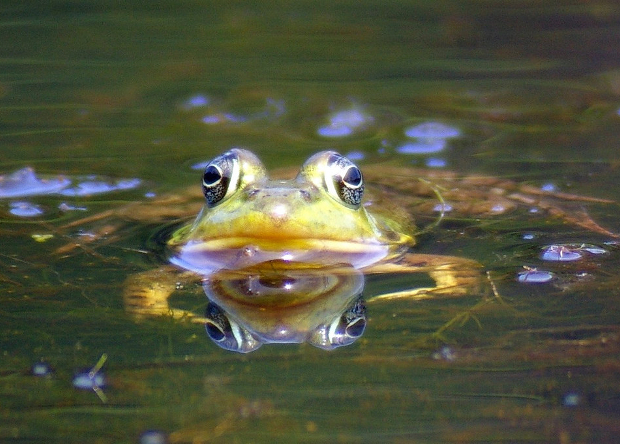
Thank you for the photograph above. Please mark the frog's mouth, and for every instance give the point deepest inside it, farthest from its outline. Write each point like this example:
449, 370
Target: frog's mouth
206, 257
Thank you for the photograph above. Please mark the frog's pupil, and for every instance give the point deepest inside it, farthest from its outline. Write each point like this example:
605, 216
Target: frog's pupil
353, 177
212, 175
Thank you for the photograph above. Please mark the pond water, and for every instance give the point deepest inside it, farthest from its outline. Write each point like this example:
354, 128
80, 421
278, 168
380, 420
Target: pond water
108, 103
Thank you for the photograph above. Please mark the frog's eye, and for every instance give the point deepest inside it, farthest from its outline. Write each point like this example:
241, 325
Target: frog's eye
230, 172
344, 180
221, 177
227, 333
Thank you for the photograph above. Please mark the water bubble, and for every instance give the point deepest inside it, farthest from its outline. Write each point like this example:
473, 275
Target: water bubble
434, 162
196, 101
549, 187
424, 146
432, 130
344, 123
90, 187
92, 379
25, 182
534, 276
528, 236
41, 369
445, 353
560, 253
25, 209
153, 437
337, 131
87, 381
445, 207
355, 155
212, 119
592, 249
64, 206
570, 252
571, 399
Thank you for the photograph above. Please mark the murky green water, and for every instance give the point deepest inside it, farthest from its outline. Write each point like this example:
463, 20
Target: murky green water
106, 89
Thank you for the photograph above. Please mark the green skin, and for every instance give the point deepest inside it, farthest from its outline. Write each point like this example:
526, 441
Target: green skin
301, 220
315, 224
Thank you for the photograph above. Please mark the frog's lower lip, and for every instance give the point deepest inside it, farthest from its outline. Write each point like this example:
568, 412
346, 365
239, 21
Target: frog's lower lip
241, 252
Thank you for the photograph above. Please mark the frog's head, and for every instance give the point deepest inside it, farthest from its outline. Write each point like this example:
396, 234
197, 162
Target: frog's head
318, 217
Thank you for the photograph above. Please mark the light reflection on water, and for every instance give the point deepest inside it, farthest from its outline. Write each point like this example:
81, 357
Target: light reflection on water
91, 90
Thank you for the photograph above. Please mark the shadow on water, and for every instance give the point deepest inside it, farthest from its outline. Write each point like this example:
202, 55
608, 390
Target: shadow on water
507, 110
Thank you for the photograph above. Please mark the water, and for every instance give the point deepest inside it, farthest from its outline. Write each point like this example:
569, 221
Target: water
121, 92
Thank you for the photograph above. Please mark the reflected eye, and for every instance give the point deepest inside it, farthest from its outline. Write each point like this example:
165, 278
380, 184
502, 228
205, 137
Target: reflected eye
221, 177
343, 330
344, 180
227, 333
355, 328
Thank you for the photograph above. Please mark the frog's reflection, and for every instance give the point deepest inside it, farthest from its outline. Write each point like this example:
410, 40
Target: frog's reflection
277, 302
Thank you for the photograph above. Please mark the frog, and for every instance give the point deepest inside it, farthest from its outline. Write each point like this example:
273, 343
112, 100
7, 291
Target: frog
328, 220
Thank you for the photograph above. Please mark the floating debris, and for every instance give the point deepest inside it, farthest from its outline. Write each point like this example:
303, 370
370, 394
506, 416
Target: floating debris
25, 209
42, 237
25, 182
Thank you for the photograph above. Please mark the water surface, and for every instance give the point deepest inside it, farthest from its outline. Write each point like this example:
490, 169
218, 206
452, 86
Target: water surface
94, 91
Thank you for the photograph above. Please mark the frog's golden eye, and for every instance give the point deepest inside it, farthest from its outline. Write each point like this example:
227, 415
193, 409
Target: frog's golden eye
221, 177
344, 180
